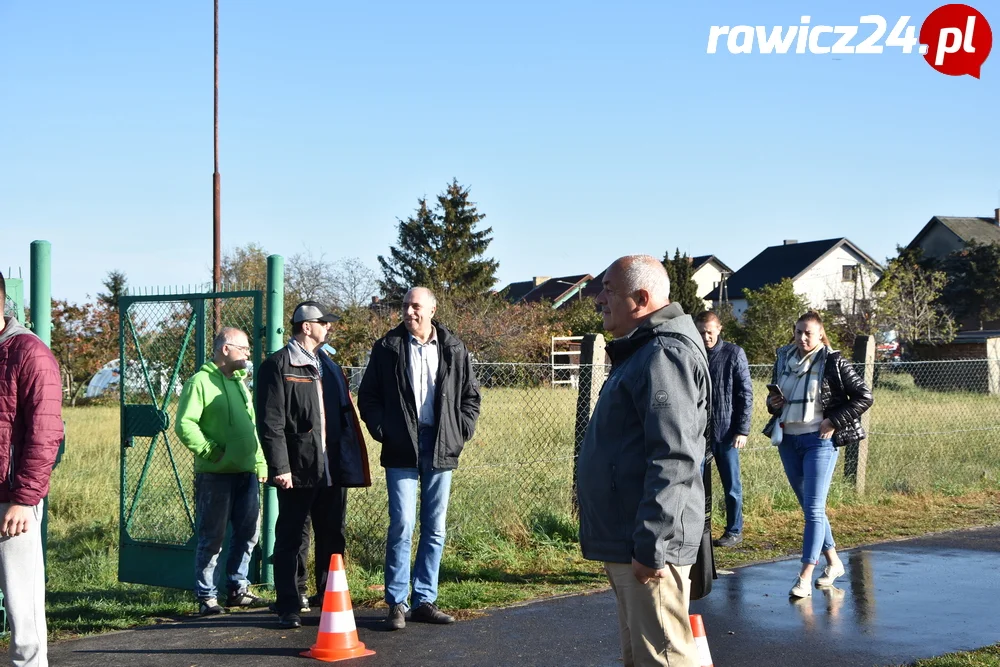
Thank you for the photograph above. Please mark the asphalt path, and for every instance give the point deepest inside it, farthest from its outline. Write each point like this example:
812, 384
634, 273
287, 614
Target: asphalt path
898, 602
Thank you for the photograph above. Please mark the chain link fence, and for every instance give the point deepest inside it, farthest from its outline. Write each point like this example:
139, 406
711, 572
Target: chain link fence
934, 427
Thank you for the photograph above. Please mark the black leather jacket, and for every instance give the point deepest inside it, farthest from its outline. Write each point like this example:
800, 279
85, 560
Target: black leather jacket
844, 397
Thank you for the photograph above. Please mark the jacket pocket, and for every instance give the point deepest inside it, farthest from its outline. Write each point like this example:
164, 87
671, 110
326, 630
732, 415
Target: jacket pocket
302, 452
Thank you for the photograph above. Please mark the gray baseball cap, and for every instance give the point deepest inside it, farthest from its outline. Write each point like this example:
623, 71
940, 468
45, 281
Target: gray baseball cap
312, 311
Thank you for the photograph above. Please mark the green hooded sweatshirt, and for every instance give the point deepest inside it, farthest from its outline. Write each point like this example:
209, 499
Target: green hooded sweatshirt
216, 421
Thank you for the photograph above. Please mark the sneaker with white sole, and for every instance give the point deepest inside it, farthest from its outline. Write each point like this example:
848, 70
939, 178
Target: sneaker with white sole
245, 599
209, 607
830, 574
801, 589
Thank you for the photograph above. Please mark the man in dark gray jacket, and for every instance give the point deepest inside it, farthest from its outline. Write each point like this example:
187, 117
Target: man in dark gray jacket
642, 503
420, 399
732, 407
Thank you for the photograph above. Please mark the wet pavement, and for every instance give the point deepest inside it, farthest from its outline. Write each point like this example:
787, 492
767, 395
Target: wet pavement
898, 602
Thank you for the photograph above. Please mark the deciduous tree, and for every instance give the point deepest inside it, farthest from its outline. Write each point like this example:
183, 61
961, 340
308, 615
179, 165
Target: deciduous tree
769, 319
908, 301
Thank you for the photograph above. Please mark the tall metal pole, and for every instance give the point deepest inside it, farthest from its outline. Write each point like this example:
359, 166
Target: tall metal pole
41, 324
275, 339
216, 194
41, 290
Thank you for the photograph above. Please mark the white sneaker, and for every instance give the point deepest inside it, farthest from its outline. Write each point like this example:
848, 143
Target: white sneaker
801, 589
830, 574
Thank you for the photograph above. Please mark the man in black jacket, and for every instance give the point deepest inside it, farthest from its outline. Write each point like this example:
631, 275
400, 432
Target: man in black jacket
312, 441
732, 407
420, 399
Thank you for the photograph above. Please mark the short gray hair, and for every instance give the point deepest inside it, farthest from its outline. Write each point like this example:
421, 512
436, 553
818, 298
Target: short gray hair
430, 293
224, 337
645, 272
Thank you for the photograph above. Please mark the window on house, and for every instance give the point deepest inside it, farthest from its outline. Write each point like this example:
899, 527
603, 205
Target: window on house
833, 306
850, 273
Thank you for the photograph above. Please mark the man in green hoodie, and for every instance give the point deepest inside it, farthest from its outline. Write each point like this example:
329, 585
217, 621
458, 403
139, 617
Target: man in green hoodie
216, 421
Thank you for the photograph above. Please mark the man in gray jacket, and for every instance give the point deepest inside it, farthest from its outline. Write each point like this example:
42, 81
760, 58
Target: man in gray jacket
642, 502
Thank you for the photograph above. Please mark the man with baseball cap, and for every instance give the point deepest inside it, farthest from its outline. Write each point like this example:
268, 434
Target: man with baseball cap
312, 441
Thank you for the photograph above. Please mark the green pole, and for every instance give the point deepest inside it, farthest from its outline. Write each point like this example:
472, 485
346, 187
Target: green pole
275, 339
41, 290
41, 324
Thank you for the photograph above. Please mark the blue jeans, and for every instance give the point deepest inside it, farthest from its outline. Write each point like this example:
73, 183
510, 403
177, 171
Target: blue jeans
727, 458
809, 463
435, 485
220, 499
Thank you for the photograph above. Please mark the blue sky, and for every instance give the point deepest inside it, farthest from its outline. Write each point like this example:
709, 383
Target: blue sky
586, 130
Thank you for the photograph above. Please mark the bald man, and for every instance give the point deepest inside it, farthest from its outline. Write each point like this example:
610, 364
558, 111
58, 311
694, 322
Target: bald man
420, 399
641, 495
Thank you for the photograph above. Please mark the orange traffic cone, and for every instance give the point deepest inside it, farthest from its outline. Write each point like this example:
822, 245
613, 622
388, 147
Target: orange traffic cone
700, 640
338, 636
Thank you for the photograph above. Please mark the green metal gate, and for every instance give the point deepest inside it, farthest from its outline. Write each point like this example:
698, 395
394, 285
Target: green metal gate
164, 339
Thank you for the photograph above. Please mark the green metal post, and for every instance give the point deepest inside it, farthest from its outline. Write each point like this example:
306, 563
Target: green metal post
275, 339
41, 290
41, 324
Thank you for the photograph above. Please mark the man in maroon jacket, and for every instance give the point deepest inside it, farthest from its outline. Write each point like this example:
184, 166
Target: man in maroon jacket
30, 430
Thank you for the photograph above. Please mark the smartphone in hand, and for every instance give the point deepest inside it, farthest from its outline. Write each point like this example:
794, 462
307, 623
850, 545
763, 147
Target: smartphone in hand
774, 389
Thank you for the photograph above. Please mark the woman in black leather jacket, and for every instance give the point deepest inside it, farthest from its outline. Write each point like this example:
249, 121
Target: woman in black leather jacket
816, 410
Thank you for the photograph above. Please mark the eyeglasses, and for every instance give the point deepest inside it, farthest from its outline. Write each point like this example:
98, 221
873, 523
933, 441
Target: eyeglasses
320, 322
244, 348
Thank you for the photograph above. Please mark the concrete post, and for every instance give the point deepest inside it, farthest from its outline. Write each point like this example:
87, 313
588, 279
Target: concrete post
993, 366
274, 339
856, 457
593, 359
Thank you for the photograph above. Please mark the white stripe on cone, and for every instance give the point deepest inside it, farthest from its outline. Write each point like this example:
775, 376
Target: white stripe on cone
336, 581
337, 621
704, 655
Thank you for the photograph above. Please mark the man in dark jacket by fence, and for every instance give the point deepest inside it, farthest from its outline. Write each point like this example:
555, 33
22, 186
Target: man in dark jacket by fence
642, 502
732, 405
314, 449
31, 428
420, 399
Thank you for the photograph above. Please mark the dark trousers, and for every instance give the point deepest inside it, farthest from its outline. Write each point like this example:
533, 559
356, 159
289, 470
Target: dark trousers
327, 506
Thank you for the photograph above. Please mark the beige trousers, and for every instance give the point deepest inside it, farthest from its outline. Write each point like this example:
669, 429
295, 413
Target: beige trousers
653, 617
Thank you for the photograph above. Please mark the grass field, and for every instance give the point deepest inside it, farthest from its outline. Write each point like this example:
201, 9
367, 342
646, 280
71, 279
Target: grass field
511, 532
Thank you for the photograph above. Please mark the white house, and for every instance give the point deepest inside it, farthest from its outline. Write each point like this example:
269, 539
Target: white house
708, 271
832, 274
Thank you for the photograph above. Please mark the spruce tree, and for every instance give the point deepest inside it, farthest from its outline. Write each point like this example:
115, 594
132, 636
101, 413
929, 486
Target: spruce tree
683, 288
441, 249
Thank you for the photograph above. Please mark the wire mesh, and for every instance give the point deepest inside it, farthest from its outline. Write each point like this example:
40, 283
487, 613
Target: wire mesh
163, 348
933, 427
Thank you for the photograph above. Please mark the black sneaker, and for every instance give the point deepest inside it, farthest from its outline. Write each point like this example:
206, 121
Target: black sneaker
244, 599
209, 607
429, 613
289, 620
313, 600
728, 540
396, 620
